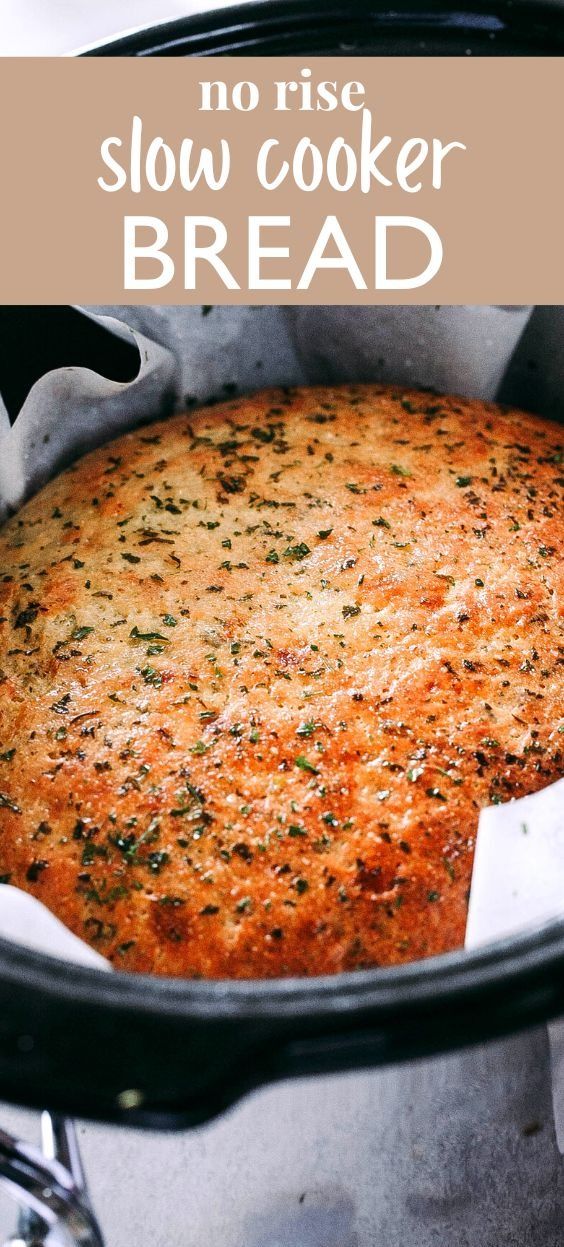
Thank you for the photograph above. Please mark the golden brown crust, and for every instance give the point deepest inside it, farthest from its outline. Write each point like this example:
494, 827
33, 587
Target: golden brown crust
262, 665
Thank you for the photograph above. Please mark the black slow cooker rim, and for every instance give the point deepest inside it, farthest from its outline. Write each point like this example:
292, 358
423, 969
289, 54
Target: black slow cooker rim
245, 26
449, 980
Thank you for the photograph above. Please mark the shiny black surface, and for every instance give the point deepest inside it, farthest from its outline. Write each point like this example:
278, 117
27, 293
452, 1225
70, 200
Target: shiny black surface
359, 27
77, 1039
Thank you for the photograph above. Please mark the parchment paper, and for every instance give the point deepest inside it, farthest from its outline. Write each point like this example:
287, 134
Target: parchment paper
72, 410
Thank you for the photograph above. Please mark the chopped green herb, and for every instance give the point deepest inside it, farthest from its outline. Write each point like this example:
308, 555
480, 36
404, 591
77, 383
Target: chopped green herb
297, 553
157, 860
136, 635
80, 633
6, 803
199, 747
62, 706
151, 676
303, 765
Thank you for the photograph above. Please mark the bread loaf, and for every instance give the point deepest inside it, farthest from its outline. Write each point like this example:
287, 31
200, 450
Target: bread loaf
262, 665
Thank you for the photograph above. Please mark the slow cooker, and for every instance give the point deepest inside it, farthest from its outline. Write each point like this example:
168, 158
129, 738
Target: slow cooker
158, 1053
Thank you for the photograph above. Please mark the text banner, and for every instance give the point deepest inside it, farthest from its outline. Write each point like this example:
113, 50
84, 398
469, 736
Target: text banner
282, 180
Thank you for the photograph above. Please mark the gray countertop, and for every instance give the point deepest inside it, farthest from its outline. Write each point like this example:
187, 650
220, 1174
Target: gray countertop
451, 1152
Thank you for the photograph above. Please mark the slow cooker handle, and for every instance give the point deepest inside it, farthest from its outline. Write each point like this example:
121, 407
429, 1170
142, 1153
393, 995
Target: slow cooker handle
51, 1187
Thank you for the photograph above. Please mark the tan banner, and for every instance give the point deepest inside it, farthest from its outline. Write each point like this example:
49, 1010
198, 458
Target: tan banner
283, 180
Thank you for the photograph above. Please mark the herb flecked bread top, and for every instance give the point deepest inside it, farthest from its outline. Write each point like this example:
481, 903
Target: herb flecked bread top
261, 666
